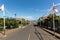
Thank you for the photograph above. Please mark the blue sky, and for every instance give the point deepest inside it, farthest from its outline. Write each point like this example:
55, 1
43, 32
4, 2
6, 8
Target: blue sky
28, 9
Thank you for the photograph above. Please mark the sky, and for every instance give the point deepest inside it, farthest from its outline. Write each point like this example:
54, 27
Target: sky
28, 9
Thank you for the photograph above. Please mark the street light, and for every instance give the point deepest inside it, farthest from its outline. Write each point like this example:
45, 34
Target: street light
15, 19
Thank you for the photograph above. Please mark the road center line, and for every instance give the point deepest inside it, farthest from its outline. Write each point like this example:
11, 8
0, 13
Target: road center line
29, 37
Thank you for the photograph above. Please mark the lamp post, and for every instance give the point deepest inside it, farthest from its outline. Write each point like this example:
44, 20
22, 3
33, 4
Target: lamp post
15, 19
15, 16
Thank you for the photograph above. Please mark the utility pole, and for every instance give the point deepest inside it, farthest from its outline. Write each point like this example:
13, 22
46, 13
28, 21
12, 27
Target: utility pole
53, 18
3, 11
2, 8
53, 24
40, 21
4, 21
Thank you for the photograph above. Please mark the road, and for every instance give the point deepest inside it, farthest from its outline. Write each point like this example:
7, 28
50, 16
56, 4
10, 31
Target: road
45, 35
23, 34
29, 33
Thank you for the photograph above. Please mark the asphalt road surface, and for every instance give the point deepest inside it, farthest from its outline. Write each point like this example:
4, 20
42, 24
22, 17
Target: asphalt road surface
23, 34
29, 33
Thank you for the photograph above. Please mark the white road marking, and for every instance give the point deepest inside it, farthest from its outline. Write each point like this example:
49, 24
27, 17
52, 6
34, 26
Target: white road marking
29, 37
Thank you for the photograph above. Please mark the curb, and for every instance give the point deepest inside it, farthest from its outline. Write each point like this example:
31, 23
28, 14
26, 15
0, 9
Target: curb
53, 33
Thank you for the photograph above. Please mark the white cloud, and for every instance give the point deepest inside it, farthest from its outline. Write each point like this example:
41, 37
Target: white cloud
29, 17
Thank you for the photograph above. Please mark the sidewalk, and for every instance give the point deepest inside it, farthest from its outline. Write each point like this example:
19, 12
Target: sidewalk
7, 32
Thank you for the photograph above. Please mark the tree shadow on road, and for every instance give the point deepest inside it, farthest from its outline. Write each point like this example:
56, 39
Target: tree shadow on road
51, 33
1, 32
38, 35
